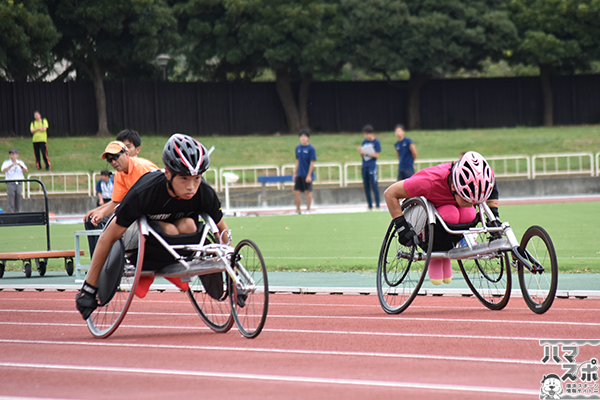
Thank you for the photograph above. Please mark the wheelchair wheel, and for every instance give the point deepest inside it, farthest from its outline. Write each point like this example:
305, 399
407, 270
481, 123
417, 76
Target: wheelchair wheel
41, 267
538, 285
489, 277
105, 320
250, 300
400, 269
215, 313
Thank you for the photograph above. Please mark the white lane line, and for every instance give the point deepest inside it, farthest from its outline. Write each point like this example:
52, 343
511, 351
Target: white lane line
413, 307
278, 351
291, 331
382, 317
278, 378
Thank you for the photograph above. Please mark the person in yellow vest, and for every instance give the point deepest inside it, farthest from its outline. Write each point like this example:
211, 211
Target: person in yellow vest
39, 128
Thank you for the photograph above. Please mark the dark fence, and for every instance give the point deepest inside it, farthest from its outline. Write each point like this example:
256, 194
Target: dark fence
247, 108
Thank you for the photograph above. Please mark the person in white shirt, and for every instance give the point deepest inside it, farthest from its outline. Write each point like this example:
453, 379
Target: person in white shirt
13, 169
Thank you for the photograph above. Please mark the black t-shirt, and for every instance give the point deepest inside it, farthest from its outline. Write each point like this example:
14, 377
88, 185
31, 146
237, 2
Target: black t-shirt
149, 197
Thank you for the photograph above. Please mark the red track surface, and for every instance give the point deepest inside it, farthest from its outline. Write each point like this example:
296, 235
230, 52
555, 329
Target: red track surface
313, 347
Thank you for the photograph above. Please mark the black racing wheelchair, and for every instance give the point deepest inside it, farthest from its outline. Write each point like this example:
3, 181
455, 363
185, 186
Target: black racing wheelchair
226, 284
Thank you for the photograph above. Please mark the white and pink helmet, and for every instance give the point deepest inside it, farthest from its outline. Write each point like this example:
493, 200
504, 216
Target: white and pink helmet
473, 178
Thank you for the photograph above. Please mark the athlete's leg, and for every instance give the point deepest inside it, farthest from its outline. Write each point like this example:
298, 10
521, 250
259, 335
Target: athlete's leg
308, 194
44, 148
373, 179
297, 200
36, 152
183, 225
367, 186
440, 270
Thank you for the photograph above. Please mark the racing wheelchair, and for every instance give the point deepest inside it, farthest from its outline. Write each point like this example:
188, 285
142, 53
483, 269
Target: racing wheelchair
486, 256
226, 284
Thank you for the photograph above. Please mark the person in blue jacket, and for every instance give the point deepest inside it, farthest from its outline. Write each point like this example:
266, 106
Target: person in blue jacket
369, 151
303, 170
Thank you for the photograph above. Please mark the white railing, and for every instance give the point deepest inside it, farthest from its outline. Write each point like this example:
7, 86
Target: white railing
387, 171
422, 164
61, 183
519, 166
325, 174
248, 176
212, 177
352, 173
562, 164
511, 166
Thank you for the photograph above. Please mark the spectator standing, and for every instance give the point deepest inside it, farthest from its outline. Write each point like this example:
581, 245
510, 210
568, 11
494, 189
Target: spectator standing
39, 130
407, 153
104, 188
13, 168
369, 151
303, 170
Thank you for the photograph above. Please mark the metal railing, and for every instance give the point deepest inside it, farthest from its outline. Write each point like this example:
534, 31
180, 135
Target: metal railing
212, 177
62, 183
511, 166
325, 174
248, 176
562, 164
518, 166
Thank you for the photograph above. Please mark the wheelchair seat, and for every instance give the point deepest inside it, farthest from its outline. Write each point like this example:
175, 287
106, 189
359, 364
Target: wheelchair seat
444, 241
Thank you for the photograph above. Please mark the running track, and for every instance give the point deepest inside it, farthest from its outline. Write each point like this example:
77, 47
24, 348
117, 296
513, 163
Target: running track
313, 347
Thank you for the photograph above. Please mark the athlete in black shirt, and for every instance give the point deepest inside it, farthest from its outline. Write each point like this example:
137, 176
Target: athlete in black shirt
173, 198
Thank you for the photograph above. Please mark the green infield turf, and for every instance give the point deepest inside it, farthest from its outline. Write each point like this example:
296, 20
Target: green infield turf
351, 242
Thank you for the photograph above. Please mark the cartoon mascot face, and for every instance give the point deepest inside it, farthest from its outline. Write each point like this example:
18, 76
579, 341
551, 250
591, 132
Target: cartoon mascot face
551, 387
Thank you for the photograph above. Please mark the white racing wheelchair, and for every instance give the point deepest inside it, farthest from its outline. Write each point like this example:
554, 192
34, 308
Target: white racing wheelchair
226, 284
486, 258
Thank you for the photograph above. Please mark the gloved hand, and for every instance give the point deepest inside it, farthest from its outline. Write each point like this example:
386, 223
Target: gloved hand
406, 233
495, 211
86, 300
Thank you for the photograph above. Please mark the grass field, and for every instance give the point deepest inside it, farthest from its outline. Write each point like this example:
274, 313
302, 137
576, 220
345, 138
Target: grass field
82, 154
351, 242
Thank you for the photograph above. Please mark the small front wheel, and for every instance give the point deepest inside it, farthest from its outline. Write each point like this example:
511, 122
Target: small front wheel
27, 269
41, 267
69, 267
539, 279
249, 297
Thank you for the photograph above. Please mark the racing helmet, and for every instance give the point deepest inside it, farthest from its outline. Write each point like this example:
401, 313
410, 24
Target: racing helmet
184, 155
473, 178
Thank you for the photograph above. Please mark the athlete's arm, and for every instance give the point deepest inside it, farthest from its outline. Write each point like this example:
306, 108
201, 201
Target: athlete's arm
222, 226
392, 196
413, 150
310, 171
110, 235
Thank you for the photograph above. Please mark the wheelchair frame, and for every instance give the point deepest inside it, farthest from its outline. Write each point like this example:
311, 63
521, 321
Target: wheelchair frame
483, 260
241, 267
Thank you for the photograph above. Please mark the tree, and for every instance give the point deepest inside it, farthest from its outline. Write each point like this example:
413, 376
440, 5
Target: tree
104, 36
237, 39
426, 37
557, 36
26, 40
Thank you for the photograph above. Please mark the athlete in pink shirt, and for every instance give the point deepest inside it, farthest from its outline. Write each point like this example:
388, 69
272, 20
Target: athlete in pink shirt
453, 188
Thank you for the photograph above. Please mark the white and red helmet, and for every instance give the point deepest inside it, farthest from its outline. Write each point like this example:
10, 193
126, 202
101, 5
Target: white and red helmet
473, 178
184, 155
